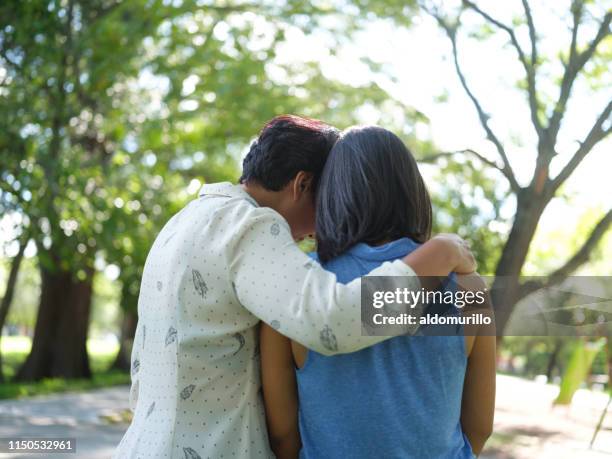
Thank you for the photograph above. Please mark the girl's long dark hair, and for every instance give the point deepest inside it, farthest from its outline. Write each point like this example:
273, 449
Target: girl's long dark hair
370, 191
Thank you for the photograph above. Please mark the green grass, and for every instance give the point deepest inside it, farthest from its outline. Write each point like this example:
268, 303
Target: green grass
101, 354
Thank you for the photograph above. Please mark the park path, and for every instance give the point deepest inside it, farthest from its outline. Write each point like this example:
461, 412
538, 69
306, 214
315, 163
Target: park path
85, 416
526, 424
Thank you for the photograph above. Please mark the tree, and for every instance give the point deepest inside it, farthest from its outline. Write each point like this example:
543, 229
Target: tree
7, 299
547, 121
216, 65
110, 109
60, 62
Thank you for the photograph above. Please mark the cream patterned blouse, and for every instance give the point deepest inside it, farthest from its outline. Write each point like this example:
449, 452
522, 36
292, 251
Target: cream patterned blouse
216, 269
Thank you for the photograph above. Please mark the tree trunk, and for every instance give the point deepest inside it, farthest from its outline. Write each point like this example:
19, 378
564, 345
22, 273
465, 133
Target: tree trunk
10, 292
128, 330
505, 289
59, 348
552, 360
609, 360
578, 368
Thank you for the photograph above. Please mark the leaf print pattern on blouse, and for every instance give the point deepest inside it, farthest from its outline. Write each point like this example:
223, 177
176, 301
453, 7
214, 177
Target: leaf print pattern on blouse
187, 391
275, 324
328, 339
275, 229
240, 338
150, 410
256, 350
198, 283
171, 336
160, 286
135, 366
144, 335
190, 453
168, 239
309, 264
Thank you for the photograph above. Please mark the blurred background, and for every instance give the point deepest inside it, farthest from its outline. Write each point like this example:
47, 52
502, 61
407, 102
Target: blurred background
114, 113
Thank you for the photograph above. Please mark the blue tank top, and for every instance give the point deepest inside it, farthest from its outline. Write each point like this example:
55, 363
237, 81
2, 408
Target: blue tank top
398, 399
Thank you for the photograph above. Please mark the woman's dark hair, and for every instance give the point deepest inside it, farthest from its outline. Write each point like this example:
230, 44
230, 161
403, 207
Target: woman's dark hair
371, 191
286, 145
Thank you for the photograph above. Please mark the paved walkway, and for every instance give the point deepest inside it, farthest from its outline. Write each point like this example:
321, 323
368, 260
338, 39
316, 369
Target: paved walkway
84, 416
526, 424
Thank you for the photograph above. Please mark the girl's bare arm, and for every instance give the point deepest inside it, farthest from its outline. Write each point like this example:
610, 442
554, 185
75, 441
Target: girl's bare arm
280, 393
478, 403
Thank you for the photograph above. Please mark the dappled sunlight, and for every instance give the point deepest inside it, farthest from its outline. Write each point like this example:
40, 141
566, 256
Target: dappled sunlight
129, 128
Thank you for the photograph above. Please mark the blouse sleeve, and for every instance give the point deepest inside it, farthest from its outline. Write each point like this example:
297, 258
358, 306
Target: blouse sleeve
282, 286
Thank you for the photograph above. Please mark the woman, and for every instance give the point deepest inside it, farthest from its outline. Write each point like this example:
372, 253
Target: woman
408, 397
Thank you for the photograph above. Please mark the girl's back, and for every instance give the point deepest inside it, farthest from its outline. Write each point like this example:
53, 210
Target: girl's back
398, 399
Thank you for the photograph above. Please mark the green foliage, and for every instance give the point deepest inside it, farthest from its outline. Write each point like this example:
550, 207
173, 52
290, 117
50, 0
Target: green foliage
578, 368
467, 200
15, 350
64, 62
55, 385
113, 112
27, 291
533, 354
551, 246
108, 110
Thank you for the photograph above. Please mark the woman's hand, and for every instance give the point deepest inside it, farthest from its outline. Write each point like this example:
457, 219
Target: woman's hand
441, 255
465, 261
